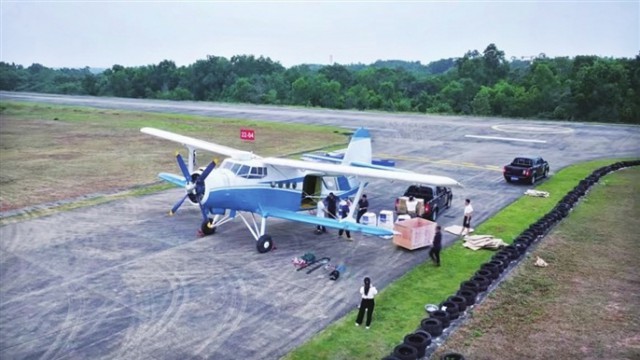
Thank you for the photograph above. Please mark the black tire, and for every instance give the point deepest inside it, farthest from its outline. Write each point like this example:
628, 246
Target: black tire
434, 215
264, 244
418, 342
500, 265
432, 325
469, 295
486, 273
449, 201
405, 352
426, 335
507, 179
470, 285
533, 179
483, 282
460, 302
443, 316
451, 308
546, 173
206, 227
494, 269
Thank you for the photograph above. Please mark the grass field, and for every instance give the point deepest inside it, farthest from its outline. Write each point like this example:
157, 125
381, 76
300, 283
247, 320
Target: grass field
50, 153
585, 304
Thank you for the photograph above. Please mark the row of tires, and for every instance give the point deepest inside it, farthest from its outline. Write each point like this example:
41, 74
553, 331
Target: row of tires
415, 344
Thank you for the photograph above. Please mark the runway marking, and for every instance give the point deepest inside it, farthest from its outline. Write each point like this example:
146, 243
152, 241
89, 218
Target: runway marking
505, 139
442, 162
527, 129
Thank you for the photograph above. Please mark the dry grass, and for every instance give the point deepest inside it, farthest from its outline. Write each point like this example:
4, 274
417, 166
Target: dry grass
585, 304
50, 153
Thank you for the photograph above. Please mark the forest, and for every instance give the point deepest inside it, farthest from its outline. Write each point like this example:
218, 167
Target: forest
582, 88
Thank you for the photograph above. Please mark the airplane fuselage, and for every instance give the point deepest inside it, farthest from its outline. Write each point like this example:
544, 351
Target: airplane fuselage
249, 185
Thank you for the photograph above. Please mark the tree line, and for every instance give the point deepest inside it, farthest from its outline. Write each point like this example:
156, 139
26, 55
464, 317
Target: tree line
583, 88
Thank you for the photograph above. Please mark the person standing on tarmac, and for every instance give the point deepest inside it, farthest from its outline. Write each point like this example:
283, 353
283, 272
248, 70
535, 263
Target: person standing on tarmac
363, 206
368, 292
344, 211
326, 208
331, 206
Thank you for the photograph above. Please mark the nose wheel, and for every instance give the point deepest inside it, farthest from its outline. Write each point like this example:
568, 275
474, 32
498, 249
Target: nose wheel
207, 227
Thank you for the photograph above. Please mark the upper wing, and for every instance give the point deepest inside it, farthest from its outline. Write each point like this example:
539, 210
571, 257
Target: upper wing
389, 174
200, 144
331, 223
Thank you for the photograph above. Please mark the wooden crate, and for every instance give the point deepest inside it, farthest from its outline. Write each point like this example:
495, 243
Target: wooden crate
414, 233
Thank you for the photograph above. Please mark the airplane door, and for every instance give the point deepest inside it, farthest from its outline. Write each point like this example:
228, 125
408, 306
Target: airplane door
311, 191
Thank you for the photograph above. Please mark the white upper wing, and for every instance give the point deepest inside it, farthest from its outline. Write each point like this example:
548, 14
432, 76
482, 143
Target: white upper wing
361, 171
200, 144
337, 169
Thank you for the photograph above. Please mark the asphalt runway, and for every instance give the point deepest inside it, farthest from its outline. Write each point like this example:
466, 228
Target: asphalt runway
124, 281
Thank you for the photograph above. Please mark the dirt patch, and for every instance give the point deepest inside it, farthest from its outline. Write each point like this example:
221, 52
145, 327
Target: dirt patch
585, 304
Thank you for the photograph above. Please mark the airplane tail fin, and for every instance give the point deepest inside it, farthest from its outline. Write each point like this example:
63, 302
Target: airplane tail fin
359, 149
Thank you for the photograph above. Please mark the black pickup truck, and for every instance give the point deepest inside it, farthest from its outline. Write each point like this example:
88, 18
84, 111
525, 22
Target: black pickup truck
527, 169
436, 199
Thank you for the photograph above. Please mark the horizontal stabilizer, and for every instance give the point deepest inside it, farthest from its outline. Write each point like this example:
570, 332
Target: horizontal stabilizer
327, 222
315, 157
177, 180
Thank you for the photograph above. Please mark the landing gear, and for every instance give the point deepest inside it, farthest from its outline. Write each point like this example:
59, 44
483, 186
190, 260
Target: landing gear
207, 228
264, 244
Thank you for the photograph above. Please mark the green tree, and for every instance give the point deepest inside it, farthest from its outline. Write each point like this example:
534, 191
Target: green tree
480, 103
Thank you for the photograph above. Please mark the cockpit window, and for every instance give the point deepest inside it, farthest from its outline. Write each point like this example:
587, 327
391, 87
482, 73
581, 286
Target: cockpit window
244, 171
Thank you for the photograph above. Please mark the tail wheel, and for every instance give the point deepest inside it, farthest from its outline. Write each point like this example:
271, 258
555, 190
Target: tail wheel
207, 227
265, 244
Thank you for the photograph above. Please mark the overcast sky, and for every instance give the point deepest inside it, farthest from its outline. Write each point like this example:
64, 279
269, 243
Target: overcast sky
133, 33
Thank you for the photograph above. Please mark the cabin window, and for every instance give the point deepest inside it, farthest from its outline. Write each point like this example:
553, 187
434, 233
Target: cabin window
244, 171
329, 183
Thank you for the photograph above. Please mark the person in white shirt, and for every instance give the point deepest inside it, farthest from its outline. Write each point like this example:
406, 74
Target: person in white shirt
466, 221
368, 292
412, 206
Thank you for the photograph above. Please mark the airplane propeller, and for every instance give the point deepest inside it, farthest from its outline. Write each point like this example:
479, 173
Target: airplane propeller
194, 185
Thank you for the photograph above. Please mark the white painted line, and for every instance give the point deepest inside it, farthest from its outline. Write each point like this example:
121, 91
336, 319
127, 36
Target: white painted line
505, 139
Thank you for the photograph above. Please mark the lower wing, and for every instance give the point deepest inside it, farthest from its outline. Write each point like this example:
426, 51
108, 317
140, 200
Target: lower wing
328, 222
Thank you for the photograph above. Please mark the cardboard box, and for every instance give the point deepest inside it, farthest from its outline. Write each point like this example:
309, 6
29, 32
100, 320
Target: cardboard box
414, 233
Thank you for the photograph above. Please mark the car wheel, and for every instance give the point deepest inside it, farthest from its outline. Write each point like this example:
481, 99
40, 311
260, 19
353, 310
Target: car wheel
546, 173
533, 179
434, 215
507, 179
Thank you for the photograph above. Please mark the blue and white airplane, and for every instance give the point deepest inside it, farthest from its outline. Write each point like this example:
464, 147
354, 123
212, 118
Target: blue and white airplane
246, 184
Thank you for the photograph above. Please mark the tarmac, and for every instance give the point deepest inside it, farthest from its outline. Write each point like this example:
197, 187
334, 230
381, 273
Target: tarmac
123, 280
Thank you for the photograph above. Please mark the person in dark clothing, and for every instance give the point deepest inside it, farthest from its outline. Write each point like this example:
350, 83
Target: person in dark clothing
344, 211
329, 208
434, 253
363, 206
368, 292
